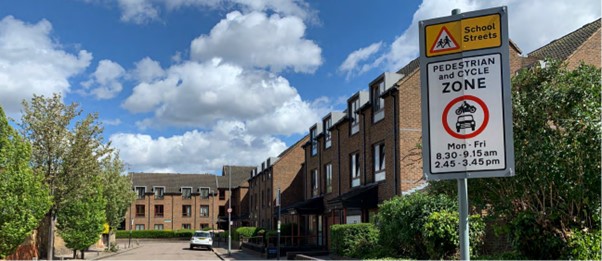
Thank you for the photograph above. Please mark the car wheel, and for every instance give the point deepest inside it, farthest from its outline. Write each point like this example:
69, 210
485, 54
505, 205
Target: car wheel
472, 128
457, 129
191, 247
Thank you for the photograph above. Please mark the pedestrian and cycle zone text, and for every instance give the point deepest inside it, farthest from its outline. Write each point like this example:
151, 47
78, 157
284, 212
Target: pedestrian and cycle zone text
463, 35
465, 113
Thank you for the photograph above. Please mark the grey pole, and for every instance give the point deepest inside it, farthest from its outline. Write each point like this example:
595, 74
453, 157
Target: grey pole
463, 205
463, 200
229, 210
278, 201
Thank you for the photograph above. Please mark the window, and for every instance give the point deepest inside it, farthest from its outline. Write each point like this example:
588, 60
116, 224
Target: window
159, 191
139, 226
139, 210
354, 116
314, 183
186, 193
328, 172
186, 210
313, 133
327, 133
355, 169
268, 197
262, 199
204, 192
186, 226
222, 211
158, 226
222, 194
379, 161
140, 192
378, 103
204, 210
204, 225
158, 210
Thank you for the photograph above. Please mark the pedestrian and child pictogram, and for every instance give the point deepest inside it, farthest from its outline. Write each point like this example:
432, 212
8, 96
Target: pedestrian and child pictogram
444, 42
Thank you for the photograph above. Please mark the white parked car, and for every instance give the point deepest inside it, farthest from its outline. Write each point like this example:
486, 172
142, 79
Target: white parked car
202, 239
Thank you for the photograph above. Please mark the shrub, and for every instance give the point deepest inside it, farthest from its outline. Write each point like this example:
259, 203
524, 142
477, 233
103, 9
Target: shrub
354, 240
247, 231
154, 234
441, 236
584, 246
401, 221
535, 240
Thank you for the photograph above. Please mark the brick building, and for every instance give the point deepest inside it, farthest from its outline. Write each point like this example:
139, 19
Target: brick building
184, 201
283, 172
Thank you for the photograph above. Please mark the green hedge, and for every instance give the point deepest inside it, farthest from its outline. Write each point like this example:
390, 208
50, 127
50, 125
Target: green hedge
247, 231
401, 222
441, 237
354, 240
184, 233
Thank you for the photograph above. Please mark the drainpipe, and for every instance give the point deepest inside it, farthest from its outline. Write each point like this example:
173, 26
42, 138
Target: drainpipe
339, 165
396, 173
363, 130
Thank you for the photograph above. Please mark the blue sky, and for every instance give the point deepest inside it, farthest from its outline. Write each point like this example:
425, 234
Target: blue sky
190, 85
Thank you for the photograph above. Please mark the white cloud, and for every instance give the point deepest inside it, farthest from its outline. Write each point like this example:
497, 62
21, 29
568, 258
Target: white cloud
532, 24
138, 11
350, 65
197, 95
196, 151
147, 70
144, 11
255, 40
112, 122
105, 81
32, 63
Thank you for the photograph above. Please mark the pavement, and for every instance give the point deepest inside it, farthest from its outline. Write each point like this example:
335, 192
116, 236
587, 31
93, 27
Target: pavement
96, 254
237, 254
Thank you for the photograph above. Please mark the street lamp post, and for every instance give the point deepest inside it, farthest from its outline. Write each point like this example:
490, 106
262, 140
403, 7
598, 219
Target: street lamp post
229, 210
278, 238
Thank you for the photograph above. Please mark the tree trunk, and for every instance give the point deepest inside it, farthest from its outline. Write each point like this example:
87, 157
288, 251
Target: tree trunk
42, 236
74, 254
50, 255
82, 251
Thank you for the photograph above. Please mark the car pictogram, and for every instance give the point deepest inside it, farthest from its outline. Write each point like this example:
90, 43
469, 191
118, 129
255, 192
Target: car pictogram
465, 122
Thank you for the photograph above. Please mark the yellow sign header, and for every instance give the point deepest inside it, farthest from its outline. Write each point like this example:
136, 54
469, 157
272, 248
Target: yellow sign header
463, 35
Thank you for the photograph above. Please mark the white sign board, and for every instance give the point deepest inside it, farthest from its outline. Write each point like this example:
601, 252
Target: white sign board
466, 114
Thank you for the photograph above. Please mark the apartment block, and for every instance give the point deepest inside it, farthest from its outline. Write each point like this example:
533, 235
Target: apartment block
166, 201
282, 173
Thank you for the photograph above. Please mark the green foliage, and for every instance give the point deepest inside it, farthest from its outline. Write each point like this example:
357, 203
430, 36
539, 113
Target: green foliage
25, 197
534, 240
117, 190
185, 233
247, 231
401, 221
441, 235
584, 246
80, 222
354, 240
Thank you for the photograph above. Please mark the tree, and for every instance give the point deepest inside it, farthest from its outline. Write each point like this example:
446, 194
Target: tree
117, 190
25, 197
45, 123
81, 213
557, 151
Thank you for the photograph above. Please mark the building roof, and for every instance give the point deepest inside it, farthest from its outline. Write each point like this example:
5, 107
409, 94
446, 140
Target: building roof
563, 47
239, 175
173, 181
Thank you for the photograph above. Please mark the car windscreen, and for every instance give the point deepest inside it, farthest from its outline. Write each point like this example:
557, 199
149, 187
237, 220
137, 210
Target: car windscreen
465, 118
202, 234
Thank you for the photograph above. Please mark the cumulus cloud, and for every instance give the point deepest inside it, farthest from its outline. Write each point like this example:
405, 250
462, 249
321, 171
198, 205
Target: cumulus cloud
144, 11
350, 65
256, 40
105, 82
147, 70
532, 24
196, 151
194, 94
32, 63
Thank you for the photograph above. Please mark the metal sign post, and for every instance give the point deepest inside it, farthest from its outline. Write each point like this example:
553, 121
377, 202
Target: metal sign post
466, 101
278, 238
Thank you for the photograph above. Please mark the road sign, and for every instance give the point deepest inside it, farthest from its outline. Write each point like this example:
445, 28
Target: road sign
229, 210
466, 106
465, 34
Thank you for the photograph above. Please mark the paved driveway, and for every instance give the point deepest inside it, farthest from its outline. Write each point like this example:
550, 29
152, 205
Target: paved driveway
165, 250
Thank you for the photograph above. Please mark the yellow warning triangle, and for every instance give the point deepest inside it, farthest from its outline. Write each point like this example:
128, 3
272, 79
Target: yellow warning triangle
444, 42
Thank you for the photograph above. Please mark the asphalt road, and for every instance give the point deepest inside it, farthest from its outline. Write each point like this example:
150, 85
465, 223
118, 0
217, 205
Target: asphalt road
165, 250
